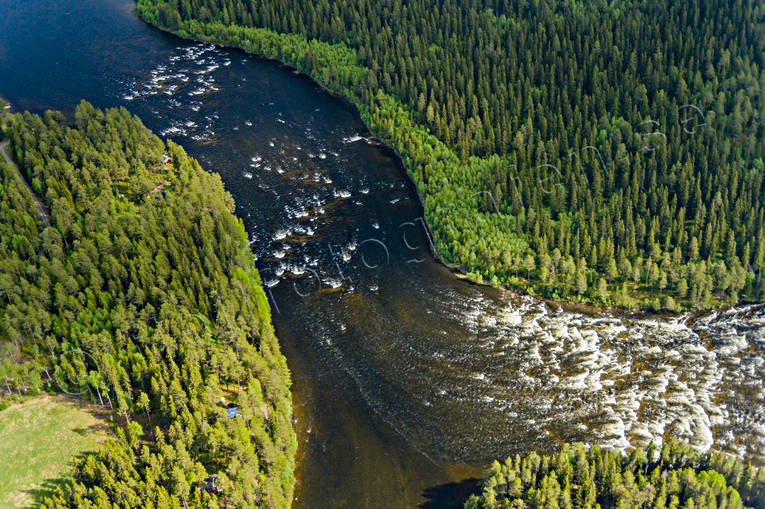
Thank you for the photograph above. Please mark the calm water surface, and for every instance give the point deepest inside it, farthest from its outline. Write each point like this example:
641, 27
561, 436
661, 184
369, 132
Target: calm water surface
406, 379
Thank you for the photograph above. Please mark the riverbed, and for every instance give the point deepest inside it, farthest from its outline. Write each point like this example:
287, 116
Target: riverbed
407, 380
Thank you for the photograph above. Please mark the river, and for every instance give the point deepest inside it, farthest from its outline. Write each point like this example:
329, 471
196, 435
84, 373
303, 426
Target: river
407, 380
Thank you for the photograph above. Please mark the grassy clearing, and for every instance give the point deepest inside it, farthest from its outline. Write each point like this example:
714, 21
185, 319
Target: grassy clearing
38, 439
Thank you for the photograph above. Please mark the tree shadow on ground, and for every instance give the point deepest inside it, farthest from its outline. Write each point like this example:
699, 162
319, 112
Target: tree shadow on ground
49, 486
45, 489
93, 428
451, 495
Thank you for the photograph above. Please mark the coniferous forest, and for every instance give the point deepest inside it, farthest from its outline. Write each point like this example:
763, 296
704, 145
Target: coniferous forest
601, 152
672, 476
133, 286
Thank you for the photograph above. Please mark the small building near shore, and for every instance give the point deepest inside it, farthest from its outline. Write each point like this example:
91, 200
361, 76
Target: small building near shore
232, 410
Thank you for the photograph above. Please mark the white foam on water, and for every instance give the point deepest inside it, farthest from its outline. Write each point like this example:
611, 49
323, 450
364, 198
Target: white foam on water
333, 283
209, 69
297, 270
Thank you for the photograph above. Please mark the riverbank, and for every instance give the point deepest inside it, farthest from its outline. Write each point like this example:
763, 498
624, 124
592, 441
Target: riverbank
5, 109
174, 316
473, 226
423, 352
650, 302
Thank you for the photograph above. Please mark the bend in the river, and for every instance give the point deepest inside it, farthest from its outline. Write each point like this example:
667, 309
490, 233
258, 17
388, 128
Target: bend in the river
406, 378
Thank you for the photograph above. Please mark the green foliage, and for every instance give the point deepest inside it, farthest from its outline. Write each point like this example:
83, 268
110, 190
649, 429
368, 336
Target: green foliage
588, 136
146, 302
671, 477
5, 108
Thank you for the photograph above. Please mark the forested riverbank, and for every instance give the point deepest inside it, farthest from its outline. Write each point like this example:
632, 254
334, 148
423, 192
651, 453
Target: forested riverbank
142, 296
635, 181
403, 370
670, 476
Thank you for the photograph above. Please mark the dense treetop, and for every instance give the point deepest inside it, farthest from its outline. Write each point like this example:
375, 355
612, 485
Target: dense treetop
608, 152
141, 295
673, 476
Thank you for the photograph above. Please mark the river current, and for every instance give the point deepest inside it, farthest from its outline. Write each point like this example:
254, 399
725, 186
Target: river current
407, 379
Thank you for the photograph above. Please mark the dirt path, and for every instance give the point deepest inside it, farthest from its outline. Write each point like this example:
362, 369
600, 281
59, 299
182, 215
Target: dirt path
41, 209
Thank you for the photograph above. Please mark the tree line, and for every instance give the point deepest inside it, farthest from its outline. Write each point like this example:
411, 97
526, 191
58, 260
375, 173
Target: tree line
602, 152
141, 296
670, 476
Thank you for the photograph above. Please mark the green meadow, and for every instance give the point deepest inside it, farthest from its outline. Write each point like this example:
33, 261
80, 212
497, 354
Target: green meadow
38, 439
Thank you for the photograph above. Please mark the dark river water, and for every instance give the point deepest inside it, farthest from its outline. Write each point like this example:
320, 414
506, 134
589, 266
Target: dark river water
407, 380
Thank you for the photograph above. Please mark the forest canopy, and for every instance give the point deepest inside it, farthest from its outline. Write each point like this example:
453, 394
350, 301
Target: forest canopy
670, 476
592, 151
138, 291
